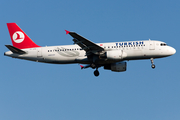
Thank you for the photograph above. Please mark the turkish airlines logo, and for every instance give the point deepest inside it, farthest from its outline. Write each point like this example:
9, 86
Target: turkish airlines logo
18, 37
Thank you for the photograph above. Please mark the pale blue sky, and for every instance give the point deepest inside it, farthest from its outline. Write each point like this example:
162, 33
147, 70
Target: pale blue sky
38, 91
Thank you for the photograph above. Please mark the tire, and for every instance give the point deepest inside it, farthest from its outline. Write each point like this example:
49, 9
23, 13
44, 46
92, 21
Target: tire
96, 73
153, 66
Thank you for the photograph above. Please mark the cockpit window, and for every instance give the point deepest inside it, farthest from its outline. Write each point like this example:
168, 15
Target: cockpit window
163, 44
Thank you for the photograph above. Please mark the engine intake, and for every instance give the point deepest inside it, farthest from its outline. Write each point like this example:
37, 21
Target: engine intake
116, 67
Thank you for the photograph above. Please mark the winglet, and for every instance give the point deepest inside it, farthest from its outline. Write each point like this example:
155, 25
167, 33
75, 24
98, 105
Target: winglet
82, 66
67, 32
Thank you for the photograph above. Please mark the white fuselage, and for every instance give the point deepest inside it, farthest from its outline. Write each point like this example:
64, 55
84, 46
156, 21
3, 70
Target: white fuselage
66, 54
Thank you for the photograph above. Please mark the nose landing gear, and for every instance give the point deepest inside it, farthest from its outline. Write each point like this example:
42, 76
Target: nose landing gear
153, 66
152, 62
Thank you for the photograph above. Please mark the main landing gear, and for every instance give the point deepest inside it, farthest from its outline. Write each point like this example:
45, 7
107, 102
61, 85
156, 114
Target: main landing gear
93, 66
96, 73
152, 62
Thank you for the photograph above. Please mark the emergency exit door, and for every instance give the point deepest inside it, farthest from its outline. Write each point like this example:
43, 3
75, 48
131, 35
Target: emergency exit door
151, 45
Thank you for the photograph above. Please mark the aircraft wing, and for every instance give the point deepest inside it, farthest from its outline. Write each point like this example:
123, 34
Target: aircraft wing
85, 44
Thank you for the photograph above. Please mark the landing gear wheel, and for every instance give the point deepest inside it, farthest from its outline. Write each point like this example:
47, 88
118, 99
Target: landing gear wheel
96, 73
153, 66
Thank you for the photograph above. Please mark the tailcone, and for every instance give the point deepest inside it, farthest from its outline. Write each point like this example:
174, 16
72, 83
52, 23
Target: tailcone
8, 53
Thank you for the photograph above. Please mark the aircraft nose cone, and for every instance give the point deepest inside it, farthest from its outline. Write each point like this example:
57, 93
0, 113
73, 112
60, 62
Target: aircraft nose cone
173, 51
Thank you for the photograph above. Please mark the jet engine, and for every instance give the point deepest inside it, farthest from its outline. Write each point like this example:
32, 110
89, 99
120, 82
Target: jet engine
116, 67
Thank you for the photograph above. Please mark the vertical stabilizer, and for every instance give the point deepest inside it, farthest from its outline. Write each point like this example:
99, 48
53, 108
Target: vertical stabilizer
19, 38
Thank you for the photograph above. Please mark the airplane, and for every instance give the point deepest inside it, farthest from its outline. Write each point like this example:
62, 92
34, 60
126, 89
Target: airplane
112, 56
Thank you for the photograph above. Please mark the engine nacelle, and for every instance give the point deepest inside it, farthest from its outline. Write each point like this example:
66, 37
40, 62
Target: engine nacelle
116, 67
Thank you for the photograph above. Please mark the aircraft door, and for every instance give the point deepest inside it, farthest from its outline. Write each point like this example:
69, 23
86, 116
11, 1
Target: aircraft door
151, 45
39, 52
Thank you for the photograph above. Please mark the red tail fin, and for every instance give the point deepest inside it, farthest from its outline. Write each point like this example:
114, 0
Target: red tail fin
19, 38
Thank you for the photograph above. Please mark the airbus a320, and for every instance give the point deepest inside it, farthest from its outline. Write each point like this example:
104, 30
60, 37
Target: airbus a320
112, 56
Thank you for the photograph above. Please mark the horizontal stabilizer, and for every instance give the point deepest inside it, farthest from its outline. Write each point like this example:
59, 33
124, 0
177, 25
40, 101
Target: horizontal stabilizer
15, 50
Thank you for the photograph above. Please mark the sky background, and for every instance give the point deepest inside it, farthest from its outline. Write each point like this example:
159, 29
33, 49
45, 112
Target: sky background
39, 91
